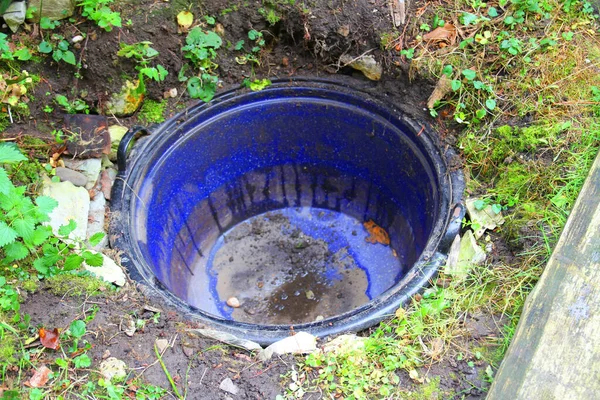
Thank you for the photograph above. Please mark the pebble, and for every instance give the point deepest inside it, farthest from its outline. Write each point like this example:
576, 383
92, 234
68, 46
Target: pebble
228, 386
233, 302
77, 39
76, 178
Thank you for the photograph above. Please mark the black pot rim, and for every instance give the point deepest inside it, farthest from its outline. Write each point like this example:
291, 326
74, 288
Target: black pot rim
425, 268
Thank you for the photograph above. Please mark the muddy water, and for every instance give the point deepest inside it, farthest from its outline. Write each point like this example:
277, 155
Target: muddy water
285, 271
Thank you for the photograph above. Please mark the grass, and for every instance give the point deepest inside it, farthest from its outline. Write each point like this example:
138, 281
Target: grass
528, 132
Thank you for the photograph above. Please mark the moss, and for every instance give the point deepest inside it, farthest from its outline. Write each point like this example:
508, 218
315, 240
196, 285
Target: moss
8, 346
429, 391
152, 112
30, 285
75, 285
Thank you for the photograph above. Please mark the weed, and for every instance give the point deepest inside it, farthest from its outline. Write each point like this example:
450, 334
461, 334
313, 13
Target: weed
99, 12
201, 50
59, 48
142, 54
72, 107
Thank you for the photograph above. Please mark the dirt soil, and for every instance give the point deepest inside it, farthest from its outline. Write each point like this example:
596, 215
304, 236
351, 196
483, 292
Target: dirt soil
298, 45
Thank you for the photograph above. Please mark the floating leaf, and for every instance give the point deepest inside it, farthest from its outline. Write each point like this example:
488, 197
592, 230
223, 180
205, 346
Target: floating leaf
50, 339
185, 19
39, 378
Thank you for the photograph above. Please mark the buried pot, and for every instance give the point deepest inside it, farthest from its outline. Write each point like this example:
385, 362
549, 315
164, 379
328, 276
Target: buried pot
307, 204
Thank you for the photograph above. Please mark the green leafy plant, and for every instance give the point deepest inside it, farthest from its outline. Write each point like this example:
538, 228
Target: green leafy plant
59, 49
23, 232
142, 53
72, 107
201, 50
98, 11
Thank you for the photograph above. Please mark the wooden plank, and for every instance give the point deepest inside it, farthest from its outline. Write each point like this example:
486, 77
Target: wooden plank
555, 353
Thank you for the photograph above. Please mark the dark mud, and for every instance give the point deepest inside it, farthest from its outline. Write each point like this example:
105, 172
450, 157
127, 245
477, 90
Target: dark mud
283, 276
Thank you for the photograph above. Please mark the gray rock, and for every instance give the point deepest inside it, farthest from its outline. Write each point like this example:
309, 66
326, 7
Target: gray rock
228, 386
53, 9
470, 254
113, 369
300, 343
14, 15
365, 64
96, 219
109, 271
116, 134
76, 178
73, 204
90, 168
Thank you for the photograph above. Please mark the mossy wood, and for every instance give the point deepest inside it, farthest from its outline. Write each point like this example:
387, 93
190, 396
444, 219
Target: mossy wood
555, 353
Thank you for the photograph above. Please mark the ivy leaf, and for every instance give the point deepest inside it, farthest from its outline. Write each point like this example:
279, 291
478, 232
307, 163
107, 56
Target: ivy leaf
45, 47
10, 153
72, 262
469, 74
77, 328
65, 230
69, 57
93, 259
96, 238
7, 234
16, 251
46, 204
490, 104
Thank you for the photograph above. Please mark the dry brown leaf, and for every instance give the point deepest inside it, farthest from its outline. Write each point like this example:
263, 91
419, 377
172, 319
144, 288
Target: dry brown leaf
446, 33
39, 378
442, 88
50, 339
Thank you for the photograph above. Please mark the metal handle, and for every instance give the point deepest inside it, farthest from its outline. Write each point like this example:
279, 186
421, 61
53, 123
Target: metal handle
124, 145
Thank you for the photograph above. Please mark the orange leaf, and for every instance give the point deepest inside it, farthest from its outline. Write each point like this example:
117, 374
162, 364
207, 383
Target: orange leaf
39, 378
442, 33
49, 339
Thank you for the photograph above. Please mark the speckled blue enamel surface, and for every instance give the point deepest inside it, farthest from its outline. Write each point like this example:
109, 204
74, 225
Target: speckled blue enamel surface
289, 147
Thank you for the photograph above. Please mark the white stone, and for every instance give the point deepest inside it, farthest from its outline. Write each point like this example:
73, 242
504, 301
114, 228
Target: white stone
109, 271
77, 39
228, 386
228, 338
300, 343
96, 219
161, 344
470, 254
113, 368
73, 204
90, 168
486, 218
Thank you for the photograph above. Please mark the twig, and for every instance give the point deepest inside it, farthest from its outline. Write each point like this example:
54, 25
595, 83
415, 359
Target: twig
10, 114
